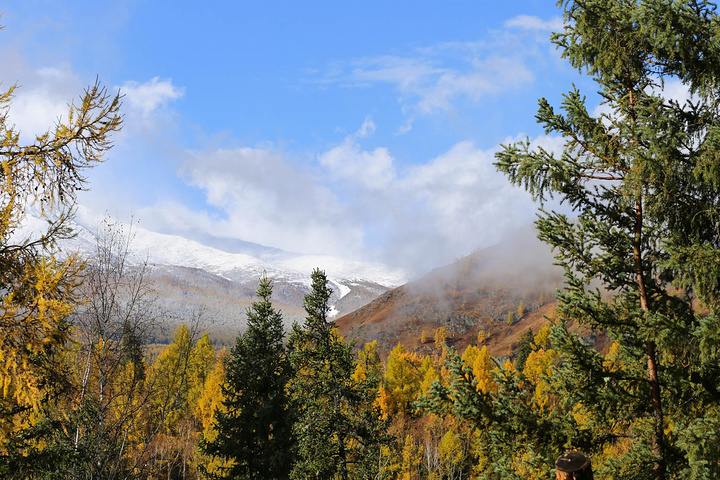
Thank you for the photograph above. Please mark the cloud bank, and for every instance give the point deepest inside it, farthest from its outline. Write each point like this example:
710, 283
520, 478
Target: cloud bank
354, 202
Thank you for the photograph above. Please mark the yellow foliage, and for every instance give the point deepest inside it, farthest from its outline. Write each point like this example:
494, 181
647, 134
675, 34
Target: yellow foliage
411, 460
508, 365
368, 363
451, 454
483, 367
402, 380
529, 467
428, 374
35, 332
469, 356
209, 402
384, 402
211, 398
612, 358
538, 364
202, 362
440, 337
581, 416
476, 450
542, 339
538, 371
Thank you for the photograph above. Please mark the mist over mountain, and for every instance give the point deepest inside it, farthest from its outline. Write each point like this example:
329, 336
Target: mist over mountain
502, 291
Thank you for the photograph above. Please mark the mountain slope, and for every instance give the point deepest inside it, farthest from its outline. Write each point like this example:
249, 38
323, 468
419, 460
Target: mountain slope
477, 292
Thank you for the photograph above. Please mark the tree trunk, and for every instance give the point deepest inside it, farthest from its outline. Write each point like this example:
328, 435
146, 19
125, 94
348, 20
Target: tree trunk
573, 466
653, 375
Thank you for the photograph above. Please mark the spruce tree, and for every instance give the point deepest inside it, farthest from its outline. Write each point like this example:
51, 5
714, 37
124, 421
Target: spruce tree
524, 347
338, 430
254, 430
642, 181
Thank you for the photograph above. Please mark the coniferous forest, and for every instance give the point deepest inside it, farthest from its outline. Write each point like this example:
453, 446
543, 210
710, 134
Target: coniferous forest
637, 233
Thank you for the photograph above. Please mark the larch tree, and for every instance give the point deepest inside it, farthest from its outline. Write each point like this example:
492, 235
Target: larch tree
253, 430
38, 287
402, 380
642, 178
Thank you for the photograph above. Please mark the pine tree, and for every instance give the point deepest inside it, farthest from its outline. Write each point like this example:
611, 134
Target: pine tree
338, 430
642, 180
254, 426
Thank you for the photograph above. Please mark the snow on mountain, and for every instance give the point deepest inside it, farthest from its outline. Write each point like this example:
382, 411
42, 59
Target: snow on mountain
246, 263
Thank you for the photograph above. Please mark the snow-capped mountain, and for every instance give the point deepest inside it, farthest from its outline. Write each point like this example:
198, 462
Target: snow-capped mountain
221, 279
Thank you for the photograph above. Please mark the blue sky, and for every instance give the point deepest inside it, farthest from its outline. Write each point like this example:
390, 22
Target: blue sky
357, 128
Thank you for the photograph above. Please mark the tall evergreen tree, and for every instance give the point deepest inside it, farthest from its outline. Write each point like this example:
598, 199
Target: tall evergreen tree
338, 430
254, 428
642, 180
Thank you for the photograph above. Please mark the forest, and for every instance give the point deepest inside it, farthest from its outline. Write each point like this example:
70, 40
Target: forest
637, 233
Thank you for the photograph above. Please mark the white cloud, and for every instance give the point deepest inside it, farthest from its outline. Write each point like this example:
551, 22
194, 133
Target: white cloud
372, 170
465, 203
146, 98
493, 75
529, 22
42, 98
405, 127
406, 73
675, 89
437, 78
367, 128
268, 200
353, 201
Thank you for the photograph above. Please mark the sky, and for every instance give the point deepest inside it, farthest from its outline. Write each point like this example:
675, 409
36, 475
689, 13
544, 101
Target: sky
362, 129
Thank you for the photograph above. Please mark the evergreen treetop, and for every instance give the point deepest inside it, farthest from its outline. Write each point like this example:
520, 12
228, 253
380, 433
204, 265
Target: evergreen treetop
254, 428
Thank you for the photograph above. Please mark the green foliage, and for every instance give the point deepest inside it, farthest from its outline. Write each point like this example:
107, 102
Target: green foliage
524, 347
642, 181
338, 430
254, 426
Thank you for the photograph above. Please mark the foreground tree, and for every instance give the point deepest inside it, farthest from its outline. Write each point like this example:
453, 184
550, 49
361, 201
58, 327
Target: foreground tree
37, 288
253, 429
643, 182
338, 430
